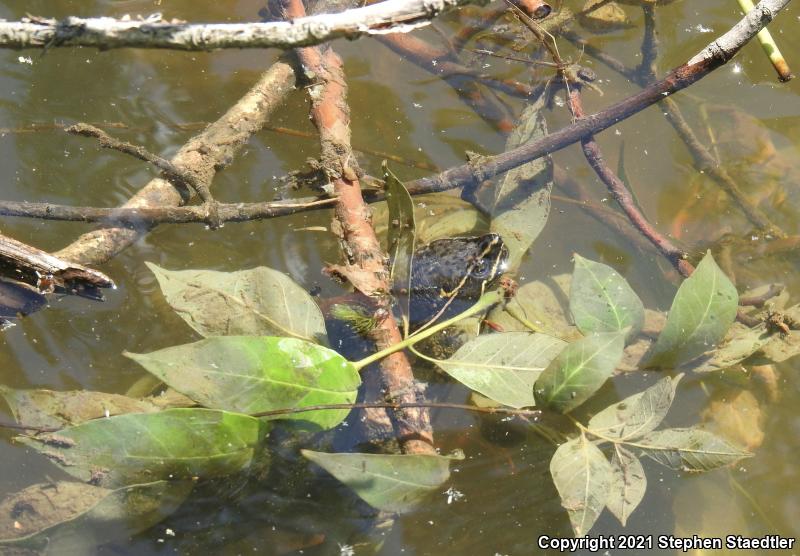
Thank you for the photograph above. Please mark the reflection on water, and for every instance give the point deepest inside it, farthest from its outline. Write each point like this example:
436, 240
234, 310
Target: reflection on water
508, 498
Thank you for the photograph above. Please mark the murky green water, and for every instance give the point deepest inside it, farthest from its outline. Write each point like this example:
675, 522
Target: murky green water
508, 497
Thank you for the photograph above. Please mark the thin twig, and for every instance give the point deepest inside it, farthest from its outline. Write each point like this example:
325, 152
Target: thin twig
403, 405
171, 171
647, 68
206, 153
622, 195
138, 151
147, 217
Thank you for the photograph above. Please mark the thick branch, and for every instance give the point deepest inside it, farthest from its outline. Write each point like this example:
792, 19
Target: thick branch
363, 253
395, 16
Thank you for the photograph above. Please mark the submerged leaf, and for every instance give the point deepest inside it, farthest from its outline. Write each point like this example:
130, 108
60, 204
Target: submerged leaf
251, 374
255, 302
628, 483
740, 343
702, 312
582, 476
638, 414
522, 200
579, 371
73, 518
606, 18
436, 216
174, 444
392, 483
52, 409
504, 366
690, 449
602, 301
402, 234
539, 306
736, 415
781, 347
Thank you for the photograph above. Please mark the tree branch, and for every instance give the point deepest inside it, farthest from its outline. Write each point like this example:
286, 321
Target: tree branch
362, 250
390, 16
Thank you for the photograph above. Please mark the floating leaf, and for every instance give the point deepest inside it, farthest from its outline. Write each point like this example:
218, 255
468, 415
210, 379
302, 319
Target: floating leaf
638, 414
504, 366
251, 374
579, 371
172, 444
602, 301
582, 476
256, 302
689, 449
522, 201
72, 518
628, 484
52, 409
702, 311
539, 306
392, 483
740, 343
402, 233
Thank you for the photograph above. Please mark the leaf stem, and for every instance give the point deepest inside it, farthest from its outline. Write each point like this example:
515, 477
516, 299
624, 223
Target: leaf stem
486, 301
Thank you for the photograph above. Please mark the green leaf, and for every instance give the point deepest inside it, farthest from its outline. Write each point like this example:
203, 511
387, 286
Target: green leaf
579, 371
602, 301
582, 476
522, 200
251, 374
256, 302
702, 311
139, 447
402, 233
392, 483
74, 518
628, 484
504, 366
689, 449
638, 414
51, 409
